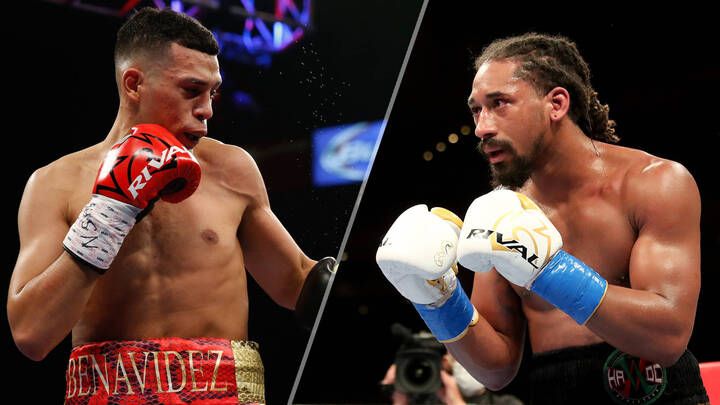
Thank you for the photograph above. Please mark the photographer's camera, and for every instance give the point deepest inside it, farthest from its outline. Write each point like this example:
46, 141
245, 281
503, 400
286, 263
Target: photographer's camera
418, 362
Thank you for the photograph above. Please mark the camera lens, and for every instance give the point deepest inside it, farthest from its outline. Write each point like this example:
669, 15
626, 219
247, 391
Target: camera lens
418, 371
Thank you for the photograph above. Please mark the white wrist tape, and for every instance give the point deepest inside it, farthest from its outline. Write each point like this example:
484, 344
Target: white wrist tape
99, 231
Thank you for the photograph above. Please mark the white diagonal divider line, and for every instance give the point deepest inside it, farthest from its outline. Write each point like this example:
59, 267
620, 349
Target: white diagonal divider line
298, 377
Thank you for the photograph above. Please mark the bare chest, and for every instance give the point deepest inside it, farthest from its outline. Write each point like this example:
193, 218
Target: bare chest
597, 230
599, 233
195, 233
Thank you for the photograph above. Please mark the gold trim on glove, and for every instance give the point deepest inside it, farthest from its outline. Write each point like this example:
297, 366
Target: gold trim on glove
447, 215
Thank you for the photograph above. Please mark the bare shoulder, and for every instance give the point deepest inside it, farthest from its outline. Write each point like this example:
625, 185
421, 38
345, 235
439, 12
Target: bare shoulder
231, 165
655, 186
53, 185
652, 175
219, 154
63, 173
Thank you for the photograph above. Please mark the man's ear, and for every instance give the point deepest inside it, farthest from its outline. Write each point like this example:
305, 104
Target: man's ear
130, 82
558, 102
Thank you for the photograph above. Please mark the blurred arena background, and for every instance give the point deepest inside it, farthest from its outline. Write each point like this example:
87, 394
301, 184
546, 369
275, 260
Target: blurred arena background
655, 68
306, 95
303, 81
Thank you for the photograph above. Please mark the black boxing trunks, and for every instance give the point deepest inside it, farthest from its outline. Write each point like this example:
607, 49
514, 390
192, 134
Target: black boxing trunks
600, 374
199, 371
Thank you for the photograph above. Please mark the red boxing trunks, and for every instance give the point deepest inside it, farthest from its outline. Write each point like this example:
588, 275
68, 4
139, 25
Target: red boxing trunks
199, 371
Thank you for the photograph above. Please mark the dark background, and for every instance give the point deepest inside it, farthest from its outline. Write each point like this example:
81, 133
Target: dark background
60, 96
659, 72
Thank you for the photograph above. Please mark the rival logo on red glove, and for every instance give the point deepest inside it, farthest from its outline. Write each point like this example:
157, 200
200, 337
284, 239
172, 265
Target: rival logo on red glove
148, 151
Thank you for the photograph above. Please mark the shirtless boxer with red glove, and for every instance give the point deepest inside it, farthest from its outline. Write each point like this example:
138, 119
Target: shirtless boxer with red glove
145, 260
149, 163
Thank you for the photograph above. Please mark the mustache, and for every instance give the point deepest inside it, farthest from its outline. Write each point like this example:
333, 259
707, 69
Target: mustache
492, 142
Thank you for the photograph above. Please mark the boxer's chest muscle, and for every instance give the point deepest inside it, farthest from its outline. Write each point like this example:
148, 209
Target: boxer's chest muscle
597, 231
197, 232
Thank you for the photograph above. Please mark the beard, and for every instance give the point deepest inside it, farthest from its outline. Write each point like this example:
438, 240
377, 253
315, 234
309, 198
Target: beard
513, 172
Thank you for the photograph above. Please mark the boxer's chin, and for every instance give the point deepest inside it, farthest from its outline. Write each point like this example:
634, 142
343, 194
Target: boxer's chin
189, 140
511, 173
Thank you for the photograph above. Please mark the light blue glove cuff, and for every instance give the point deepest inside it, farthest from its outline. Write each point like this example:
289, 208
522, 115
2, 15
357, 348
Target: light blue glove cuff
571, 285
450, 321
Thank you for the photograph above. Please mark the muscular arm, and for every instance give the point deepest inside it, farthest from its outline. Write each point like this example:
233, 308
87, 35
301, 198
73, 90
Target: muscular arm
48, 289
271, 255
654, 318
492, 349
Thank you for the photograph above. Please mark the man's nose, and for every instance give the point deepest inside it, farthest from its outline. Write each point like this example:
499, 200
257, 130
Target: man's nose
204, 110
485, 126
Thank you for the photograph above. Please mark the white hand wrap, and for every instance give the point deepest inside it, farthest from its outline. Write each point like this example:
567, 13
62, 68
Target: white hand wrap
97, 234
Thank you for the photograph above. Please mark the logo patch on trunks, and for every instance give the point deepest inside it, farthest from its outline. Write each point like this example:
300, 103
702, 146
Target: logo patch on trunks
632, 380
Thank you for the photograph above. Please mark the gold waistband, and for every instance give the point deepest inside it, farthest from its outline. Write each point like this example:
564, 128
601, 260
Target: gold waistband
249, 372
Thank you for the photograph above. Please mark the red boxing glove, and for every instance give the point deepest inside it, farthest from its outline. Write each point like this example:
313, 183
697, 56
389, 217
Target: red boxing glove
147, 164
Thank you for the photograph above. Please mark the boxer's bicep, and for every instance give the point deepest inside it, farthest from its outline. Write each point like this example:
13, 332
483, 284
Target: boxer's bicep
665, 258
272, 256
270, 253
653, 319
42, 225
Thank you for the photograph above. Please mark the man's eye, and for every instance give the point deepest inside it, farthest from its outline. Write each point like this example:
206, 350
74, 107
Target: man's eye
499, 103
191, 92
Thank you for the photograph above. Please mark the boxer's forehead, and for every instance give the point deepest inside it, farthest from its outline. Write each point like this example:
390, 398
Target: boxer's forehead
193, 65
495, 77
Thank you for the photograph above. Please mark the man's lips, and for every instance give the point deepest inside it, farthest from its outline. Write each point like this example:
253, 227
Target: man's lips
494, 154
190, 139
193, 137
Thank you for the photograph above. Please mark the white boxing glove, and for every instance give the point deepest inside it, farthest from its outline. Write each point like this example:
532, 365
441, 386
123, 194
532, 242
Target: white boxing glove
507, 230
420, 246
417, 256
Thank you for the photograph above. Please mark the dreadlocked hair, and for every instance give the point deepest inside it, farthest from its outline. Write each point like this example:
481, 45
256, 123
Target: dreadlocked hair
547, 62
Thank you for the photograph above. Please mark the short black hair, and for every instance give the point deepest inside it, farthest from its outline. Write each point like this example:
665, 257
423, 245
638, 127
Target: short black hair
151, 30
